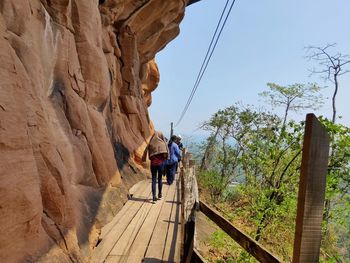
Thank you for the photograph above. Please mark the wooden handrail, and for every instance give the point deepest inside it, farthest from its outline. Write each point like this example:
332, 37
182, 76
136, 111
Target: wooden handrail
246, 242
189, 205
196, 257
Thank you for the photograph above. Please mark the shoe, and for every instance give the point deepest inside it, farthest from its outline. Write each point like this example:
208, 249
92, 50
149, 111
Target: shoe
159, 197
154, 200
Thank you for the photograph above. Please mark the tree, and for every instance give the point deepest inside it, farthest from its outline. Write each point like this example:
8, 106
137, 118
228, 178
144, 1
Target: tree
337, 206
332, 66
260, 148
221, 125
294, 97
215, 125
285, 148
266, 150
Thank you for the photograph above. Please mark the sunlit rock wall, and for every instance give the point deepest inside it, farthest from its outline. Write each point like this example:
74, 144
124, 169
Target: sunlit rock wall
76, 78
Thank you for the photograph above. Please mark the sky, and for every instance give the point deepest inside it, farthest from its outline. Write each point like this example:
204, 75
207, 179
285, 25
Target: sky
263, 41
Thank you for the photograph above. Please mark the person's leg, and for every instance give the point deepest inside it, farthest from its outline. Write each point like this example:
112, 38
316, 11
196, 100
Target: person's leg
160, 183
172, 173
167, 168
154, 181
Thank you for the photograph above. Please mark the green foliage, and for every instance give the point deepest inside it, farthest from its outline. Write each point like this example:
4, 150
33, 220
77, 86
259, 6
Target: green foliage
262, 152
227, 250
265, 154
339, 163
212, 181
294, 97
299, 96
232, 194
336, 234
197, 149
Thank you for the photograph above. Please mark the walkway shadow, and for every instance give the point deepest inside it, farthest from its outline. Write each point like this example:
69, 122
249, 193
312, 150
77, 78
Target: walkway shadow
155, 260
173, 202
152, 260
140, 199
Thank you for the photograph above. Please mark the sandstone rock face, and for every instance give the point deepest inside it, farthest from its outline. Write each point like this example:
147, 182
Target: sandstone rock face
76, 78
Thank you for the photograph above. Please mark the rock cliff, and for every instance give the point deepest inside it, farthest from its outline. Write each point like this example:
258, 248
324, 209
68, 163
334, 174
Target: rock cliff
76, 78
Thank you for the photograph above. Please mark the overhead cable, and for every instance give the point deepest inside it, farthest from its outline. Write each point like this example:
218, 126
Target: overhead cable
211, 48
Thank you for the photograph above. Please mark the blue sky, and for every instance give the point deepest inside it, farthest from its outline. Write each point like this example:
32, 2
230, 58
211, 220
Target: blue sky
263, 41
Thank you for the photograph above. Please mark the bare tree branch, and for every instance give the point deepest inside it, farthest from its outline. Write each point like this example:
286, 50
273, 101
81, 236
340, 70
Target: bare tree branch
332, 66
346, 71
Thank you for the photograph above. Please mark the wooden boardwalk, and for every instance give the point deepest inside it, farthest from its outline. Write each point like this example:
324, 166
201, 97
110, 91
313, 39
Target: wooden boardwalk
142, 231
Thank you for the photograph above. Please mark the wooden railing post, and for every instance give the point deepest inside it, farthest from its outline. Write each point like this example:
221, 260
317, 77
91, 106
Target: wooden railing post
311, 192
190, 204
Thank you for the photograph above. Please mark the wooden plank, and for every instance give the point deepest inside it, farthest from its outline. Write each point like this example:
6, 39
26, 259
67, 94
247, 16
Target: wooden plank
122, 247
114, 259
139, 191
131, 259
182, 188
161, 228
103, 249
311, 192
249, 244
179, 243
138, 235
121, 230
173, 241
196, 257
138, 247
157, 244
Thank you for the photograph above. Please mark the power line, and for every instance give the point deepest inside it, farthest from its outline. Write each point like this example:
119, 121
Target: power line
205, 64
207, 57
202, 66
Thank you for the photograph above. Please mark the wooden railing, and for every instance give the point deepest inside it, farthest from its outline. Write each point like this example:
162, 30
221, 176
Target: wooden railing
309, 211
250, 245
189, 205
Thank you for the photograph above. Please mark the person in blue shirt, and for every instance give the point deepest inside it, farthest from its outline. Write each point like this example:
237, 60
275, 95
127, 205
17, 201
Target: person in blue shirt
174, 157
179, 143
181, 147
